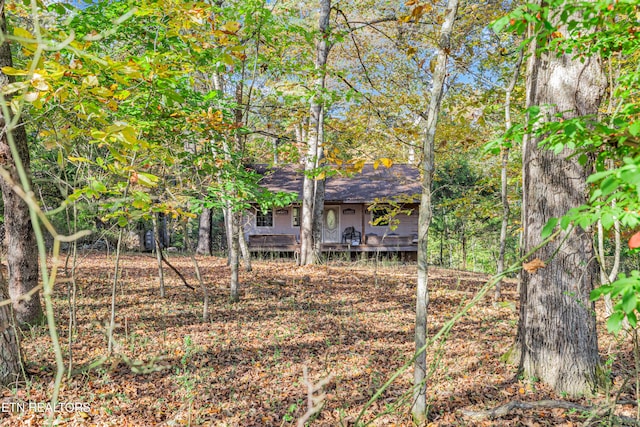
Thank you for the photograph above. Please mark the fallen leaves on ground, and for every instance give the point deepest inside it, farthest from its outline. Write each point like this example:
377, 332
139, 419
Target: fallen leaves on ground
244, 367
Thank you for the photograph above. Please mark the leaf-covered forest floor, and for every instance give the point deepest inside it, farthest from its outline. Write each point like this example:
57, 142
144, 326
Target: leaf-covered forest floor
244, 367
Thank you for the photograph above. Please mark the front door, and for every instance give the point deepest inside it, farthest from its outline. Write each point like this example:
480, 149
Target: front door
331, 233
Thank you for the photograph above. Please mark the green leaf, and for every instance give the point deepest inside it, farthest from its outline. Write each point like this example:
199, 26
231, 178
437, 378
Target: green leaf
599, 175
607, 220
629, 302
122, 221
98, 186
614, 323
633, 319
147, 179
599, 291
609, 185
634, 128
500, 24
548, 228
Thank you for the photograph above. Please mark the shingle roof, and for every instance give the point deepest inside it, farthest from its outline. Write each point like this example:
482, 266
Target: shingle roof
364, 187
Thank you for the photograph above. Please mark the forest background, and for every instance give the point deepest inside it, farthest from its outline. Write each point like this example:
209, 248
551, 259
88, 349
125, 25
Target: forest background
127, 116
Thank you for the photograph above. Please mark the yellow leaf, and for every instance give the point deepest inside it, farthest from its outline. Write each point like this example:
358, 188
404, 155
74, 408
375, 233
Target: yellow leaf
227, 59
79, 159
101, 91
129, 135
90, 81
122, 95
10, 71
22, 33
62, 94
230, 27
386, 162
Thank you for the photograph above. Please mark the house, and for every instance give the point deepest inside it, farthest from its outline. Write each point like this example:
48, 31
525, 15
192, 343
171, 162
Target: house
356, 211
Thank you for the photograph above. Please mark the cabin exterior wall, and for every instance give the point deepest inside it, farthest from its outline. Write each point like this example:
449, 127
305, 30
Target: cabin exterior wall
350, 215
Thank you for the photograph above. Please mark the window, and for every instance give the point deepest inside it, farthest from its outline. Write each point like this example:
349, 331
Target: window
295, 216
380, 217
264, 219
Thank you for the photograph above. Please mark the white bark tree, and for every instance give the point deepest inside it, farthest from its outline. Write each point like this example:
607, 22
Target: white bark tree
419, 408
313, 189
504, 163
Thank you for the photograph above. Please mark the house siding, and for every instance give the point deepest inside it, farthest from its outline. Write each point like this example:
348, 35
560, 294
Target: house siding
408, 225
282, 224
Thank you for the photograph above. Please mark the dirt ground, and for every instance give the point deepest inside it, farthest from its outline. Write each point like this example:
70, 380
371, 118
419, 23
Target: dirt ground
244, 366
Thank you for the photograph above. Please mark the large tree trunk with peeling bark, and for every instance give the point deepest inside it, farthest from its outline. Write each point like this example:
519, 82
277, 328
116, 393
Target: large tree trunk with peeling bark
419, 408
557, 340
313, 188
22, 249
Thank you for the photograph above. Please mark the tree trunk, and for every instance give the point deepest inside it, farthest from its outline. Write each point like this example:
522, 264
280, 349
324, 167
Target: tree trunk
9, 344
608, 277
419, 408
306, 219
158, 249
557, 340
234, 258
22, 248
313, 189
504, 191
244, 248
228, 231
463, 244
318, 197
204, 233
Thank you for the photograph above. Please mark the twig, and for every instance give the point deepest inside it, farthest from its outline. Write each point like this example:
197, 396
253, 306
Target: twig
314, 403
502, 410
175, 270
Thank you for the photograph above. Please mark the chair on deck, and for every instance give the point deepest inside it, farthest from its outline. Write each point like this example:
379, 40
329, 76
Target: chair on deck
351, 236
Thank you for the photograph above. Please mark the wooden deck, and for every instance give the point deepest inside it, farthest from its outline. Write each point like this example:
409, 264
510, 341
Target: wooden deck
289, 243
343, 247
273, 243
